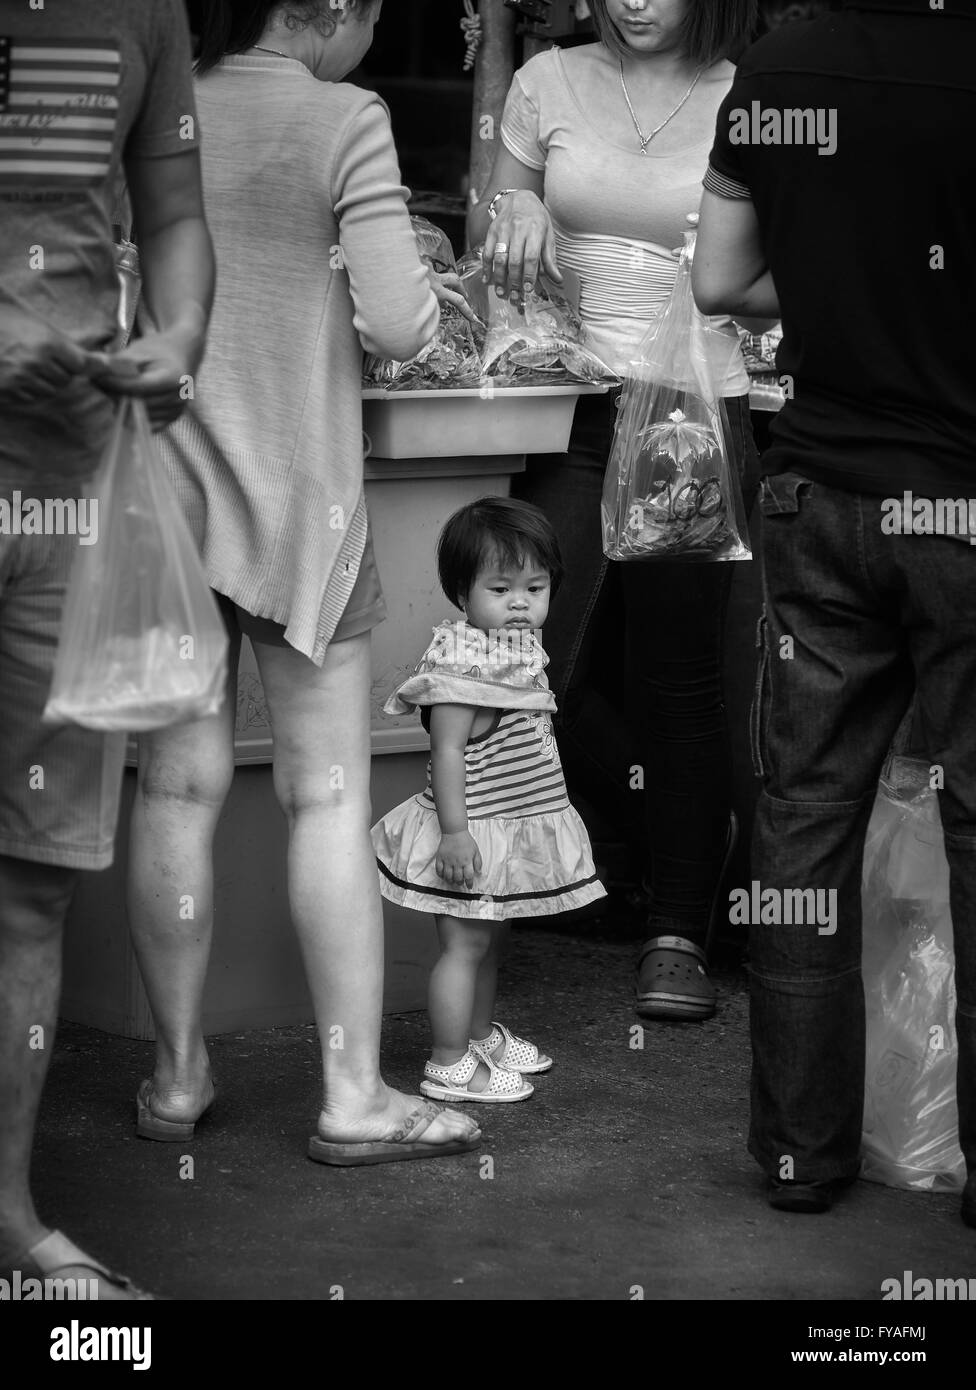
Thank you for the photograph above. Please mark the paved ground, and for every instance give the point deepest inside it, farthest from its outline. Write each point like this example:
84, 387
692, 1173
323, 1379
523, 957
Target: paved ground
628, 1167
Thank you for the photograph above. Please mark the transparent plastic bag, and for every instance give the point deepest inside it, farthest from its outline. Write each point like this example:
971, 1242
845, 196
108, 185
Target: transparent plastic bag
670, 492
451, 357
142, 641
541, 342
911, 1126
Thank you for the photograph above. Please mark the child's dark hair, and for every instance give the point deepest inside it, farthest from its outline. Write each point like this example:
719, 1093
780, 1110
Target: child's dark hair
495, 526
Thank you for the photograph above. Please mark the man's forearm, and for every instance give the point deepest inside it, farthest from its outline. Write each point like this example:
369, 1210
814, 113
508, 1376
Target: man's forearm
179, 276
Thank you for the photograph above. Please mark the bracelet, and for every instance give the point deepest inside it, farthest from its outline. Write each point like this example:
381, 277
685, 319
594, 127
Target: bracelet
502, 192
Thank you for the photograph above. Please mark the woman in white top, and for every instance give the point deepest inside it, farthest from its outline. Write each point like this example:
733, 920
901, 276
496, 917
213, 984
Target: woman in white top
602, 154
316, 258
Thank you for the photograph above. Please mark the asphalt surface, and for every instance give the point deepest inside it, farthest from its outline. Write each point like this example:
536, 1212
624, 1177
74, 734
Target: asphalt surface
625, 1175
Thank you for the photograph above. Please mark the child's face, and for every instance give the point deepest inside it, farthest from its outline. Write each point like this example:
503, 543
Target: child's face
504, 597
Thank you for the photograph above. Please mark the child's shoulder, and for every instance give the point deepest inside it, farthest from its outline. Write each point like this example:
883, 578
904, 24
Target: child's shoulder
463, 665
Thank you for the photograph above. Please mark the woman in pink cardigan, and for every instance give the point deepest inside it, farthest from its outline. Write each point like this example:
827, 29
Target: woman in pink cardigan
316, 260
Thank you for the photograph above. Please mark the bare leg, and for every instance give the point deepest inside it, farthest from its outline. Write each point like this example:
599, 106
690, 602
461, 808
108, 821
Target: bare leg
33, 901
486, 985
322, 755
468, 951
185, 774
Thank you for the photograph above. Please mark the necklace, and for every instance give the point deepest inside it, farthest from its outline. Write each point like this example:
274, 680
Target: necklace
276, 51
645, 140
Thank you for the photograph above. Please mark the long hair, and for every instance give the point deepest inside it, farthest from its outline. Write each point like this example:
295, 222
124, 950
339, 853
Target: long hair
711, 29
233, 26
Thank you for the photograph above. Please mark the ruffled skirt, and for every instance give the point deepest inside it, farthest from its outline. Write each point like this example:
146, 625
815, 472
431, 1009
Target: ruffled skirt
531, 866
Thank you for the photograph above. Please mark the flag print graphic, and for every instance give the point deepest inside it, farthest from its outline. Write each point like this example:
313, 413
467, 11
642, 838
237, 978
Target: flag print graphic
58, 111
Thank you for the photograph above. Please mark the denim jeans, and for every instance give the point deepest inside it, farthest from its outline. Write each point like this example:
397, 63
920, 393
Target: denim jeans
636, 666
856, 623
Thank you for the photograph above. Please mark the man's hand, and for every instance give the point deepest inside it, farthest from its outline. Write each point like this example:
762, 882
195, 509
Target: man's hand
157, 368
458, 859
36, 362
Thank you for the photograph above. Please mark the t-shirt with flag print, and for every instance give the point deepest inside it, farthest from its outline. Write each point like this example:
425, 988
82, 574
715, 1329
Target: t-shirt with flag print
84, 85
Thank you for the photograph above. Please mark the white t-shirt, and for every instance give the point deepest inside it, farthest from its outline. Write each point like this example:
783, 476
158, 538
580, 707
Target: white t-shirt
616, 213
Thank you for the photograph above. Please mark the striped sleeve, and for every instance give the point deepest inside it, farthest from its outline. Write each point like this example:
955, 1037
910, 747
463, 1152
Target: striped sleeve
723, 186
730, 161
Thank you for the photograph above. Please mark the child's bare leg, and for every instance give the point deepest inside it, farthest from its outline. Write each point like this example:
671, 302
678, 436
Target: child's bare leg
465, 945
486, 984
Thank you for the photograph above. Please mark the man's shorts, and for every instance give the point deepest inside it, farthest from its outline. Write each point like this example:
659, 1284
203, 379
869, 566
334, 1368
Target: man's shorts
364, 610
59, 785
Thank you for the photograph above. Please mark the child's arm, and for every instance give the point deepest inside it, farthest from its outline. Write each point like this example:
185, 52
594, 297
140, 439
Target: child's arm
458, 859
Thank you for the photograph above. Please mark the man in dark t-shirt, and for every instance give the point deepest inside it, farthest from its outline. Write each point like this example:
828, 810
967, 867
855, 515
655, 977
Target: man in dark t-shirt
839, 196
90, 91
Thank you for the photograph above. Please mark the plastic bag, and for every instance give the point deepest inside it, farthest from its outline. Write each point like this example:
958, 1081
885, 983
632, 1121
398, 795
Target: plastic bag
911, 1127
669, 491
451, 357
538, 343
142, 641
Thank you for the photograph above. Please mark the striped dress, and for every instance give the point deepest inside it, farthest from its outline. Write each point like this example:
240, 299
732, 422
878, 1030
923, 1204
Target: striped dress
535, 852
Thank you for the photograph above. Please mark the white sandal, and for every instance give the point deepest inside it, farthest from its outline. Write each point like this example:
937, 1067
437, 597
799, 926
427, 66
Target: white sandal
519, 1055
454, 1082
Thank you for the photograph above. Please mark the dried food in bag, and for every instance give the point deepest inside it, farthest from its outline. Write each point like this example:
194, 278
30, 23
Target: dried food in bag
539, 342
670, 492
451, 357
142, 641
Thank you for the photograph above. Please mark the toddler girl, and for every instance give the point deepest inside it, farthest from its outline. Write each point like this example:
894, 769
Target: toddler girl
493, 836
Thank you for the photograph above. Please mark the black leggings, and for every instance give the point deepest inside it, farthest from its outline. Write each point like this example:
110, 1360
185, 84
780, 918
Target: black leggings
635, 654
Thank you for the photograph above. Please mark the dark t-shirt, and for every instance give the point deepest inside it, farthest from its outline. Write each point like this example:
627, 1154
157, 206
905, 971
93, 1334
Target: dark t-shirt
83, 84
872, 247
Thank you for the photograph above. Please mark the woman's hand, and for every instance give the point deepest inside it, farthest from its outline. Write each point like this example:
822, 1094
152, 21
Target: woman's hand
448, 290
458, 859
519, 242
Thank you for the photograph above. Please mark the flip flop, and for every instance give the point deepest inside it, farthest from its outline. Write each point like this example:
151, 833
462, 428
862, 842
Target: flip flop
150, 1126
55, 1254
402, 1144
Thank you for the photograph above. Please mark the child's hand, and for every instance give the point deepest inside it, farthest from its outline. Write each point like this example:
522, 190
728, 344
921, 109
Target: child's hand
458, 859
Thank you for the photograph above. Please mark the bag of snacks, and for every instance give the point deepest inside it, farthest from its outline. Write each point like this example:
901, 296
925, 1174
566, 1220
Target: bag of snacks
451, 357
540, 342
670, 492
142, 641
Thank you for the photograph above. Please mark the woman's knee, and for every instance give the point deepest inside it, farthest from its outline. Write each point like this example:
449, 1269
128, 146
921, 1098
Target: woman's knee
338, 791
